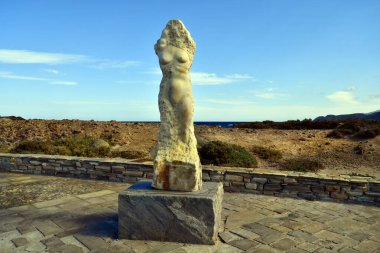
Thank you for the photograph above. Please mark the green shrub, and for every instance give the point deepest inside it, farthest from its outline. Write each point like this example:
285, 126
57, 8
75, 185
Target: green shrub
335, 134
225, 154
367, 134
301, 165
4, 148
357, 129
74, 146
60, 150
267, 153
37, 147
85, 146
130, 154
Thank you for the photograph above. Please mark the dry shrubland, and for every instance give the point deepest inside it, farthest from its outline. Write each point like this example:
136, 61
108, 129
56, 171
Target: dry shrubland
356, 151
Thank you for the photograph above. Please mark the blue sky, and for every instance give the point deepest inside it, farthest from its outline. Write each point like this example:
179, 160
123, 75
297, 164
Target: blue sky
255, 60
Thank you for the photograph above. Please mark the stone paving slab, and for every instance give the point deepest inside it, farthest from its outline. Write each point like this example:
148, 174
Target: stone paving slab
251, 223
54, 202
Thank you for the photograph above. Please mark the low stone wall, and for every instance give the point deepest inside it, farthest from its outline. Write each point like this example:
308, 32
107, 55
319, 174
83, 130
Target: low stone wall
290, 184
120, 170
309, 186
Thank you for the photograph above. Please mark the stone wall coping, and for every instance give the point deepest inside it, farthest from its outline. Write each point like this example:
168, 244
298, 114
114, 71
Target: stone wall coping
211, 168
75, 158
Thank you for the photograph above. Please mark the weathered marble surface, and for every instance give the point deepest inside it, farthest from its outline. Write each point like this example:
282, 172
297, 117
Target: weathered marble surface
189, 217
176, 165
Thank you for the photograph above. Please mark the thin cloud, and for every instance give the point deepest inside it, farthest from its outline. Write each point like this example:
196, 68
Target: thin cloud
83, 102
342, 97
52, 71
241, 76
352, 88
67, 83
269, 94
145, 82
10, 75
204, 78
375, 96
229, 102
154, 71
31, 57
113, 64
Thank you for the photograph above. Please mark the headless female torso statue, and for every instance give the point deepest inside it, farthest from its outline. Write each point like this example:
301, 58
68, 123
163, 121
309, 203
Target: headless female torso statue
177, 88
176, 165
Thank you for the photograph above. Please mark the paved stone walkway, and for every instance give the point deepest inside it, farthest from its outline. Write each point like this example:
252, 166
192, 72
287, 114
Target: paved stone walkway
252, 223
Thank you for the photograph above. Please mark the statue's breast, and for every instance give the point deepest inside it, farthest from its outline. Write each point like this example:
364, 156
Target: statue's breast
182, 57
165, 57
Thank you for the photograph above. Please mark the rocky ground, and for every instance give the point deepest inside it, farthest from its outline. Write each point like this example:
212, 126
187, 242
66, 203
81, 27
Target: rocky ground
339, 156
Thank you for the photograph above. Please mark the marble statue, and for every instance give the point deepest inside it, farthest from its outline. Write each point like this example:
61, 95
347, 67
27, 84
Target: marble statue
176, 166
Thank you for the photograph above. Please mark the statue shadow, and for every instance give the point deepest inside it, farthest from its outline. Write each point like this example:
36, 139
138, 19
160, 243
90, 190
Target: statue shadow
104, 225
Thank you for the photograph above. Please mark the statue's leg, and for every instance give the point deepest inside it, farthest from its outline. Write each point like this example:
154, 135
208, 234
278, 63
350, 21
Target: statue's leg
186, 114
181, 100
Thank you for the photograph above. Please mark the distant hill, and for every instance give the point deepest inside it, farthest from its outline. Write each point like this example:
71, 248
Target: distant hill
372, 115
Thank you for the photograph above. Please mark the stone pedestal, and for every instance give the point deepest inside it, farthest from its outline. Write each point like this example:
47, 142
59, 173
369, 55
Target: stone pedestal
188, 217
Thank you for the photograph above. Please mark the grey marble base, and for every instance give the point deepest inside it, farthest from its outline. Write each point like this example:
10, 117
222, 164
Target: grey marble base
187, 217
